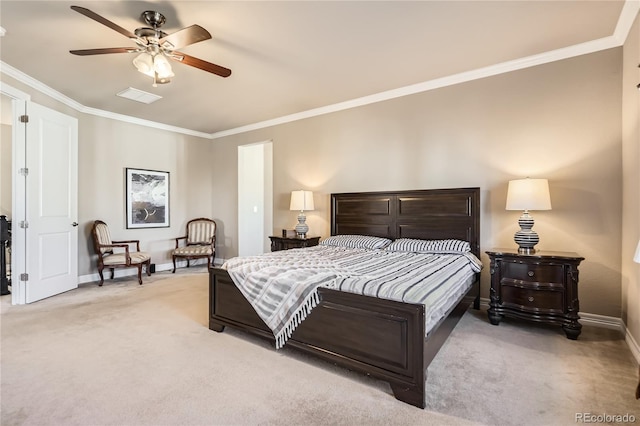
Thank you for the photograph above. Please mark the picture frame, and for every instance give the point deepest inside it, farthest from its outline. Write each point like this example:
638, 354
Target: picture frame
147, 198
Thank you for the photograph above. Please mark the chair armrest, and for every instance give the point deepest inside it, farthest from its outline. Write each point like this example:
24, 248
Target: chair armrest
180, 238
124, 246
136, 242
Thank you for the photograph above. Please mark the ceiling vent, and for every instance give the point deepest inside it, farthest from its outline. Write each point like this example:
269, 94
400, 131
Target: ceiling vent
139, 95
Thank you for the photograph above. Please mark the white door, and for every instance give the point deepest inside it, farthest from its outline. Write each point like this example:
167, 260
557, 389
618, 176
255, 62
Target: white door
51, 209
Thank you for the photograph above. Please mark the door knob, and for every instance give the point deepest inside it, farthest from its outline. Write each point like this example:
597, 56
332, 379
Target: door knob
74, 224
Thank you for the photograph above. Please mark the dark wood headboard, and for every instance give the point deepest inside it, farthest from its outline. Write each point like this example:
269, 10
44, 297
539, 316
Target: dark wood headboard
430, 214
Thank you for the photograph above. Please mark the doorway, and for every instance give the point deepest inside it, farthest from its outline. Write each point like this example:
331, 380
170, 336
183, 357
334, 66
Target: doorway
255, 197
44, 237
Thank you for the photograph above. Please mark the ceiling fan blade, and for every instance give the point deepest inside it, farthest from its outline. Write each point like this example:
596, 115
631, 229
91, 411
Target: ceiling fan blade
199, 63
89, 14
185, 37
86, 52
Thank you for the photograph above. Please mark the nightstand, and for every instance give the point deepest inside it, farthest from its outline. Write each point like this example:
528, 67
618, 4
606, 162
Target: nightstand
282, 243
541, 287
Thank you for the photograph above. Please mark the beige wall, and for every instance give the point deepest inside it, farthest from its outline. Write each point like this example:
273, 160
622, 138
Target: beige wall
105, 148
631, 183
559, 121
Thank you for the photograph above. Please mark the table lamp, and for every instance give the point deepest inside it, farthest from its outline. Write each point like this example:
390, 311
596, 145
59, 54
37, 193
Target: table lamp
527, 194
301, 201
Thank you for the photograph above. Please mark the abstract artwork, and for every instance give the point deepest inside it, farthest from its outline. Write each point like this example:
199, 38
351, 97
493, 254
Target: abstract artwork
147, 198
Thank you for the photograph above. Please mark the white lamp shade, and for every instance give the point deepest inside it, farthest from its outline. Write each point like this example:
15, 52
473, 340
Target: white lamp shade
301, 200
636, 258
144, 63
528, 194
162, 66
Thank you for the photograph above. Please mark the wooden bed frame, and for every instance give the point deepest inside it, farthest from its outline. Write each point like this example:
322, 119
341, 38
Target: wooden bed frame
382, 338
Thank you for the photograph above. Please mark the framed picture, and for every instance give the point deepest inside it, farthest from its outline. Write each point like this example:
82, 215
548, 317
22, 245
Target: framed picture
147, 198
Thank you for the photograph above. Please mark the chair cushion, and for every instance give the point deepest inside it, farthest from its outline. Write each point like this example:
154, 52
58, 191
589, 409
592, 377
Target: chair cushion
120, 258
194, 250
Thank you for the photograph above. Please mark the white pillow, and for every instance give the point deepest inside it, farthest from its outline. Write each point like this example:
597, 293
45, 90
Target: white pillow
429, 246
356, 241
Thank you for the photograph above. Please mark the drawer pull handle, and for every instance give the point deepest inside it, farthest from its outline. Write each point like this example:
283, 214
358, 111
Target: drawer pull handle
530, 273
530, 298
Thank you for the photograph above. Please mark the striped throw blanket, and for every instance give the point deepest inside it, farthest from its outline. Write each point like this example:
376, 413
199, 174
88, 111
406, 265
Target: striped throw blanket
283, 286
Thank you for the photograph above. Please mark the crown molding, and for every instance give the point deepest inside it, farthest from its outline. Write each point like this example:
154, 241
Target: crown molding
628, 14
501, 68
43, 88
625, 21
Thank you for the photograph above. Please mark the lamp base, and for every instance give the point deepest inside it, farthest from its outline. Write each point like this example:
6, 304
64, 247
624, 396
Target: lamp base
302, 228
526, 250
526, 238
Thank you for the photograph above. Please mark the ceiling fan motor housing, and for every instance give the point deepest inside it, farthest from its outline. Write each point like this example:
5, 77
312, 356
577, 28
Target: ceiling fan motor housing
155, 19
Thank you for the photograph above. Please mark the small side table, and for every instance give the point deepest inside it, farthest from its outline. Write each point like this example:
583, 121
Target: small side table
541, 287
283, 243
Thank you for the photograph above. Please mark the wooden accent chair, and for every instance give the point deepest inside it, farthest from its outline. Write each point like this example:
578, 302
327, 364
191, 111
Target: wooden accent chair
200, 242
123, 258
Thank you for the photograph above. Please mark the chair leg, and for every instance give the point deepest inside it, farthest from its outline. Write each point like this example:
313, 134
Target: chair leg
148, 267
187, 262
208, 263
113, 271
174, 264
140, 273
101, 277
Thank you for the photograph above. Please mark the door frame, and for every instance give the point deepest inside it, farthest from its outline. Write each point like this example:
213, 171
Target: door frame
18, 193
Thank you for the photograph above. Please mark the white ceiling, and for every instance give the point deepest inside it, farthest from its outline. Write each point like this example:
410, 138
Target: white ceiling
295, 56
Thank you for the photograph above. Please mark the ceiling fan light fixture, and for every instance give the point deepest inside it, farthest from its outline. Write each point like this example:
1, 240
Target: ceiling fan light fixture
144, 63
162, 66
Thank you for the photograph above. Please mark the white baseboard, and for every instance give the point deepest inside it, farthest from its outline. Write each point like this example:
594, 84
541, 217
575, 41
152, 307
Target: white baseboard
119, 273
602, 321
633, 345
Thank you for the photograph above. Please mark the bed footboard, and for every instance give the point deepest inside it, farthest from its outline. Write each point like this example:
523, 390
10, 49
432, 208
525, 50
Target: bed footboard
382, 338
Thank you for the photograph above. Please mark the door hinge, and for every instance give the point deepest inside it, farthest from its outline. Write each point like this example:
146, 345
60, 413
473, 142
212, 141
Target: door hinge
24, 277
24, 224
24, 171
24, 118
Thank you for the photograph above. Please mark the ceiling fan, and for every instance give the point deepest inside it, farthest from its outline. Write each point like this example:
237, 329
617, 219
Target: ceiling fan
154, 46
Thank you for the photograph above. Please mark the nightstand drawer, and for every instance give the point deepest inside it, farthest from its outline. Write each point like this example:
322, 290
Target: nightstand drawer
533, 273
545, 300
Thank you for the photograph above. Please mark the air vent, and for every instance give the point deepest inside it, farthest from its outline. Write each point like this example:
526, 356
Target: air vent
139, 95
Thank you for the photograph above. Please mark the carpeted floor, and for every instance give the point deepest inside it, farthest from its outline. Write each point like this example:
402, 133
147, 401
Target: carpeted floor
125, 354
